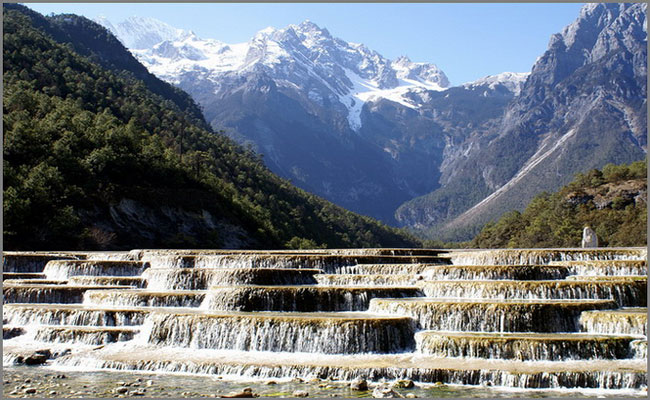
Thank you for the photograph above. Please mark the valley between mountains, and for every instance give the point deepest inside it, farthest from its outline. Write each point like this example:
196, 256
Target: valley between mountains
392, 139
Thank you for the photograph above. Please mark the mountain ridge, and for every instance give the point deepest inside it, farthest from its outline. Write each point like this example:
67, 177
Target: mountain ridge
325, 134
394, 140
591, 80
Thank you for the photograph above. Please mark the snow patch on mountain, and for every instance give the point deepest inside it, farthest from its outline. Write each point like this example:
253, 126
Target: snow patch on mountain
513, 81
142, 32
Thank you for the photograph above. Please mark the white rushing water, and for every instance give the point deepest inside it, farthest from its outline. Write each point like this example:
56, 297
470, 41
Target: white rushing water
524, 319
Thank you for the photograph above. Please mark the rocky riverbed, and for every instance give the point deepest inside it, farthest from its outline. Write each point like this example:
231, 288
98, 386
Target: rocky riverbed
44, 382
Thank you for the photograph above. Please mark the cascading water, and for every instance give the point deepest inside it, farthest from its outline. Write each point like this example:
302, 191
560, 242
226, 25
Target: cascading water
299, 298
143, 298
367, 280
495, 272
565, 318
523, 346
545, 256
203, 278
63, 269
631, 321
626, 292
491, 315
330, 334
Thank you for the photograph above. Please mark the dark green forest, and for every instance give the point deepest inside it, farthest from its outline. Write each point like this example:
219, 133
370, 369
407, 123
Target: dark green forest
613, 202
85, 126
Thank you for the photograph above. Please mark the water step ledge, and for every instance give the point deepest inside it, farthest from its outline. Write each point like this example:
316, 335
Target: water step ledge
543, 256
62, 294
203, 278
330, 263
144, 298
64, 269
626, 292
525, 346
134, 281
632, 321
367, 279
301, 298
72, 314
91, 335
328, 333
496, 272
23, 275
605, 267
488, 315
601, 374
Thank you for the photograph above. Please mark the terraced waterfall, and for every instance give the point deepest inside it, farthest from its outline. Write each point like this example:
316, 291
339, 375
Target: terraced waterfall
524, 319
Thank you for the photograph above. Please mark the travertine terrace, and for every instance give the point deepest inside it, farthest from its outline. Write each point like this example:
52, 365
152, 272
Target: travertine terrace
560, 318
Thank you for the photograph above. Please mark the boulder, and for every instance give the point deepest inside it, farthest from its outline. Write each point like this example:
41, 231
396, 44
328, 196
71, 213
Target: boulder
245, 393
359, 384
385, 392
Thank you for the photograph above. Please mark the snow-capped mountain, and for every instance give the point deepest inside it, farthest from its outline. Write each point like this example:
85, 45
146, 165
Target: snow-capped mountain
322, 66
511, 81
140, 32
314, 105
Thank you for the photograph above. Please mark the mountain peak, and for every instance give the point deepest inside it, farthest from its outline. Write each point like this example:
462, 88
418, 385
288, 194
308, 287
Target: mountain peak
512, 81
304, 56
142, 32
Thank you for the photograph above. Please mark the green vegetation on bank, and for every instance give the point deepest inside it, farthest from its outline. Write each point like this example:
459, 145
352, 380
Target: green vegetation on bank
613, 202
82, 134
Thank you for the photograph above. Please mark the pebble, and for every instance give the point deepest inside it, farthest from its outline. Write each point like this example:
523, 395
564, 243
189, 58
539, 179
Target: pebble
30, 390
411, 396
297, 380
28, 380
53, 393
270, 383
300, 393
121, 390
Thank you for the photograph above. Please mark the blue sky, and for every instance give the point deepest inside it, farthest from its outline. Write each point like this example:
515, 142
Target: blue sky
467, 41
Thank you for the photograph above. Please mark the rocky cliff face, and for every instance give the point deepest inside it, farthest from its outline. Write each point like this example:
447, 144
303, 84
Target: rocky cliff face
583, 105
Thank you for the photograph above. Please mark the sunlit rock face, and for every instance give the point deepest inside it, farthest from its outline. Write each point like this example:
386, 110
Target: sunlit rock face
561, 318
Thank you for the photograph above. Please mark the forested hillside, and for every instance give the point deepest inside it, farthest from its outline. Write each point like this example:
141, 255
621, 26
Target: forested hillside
613, 202
95, 157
